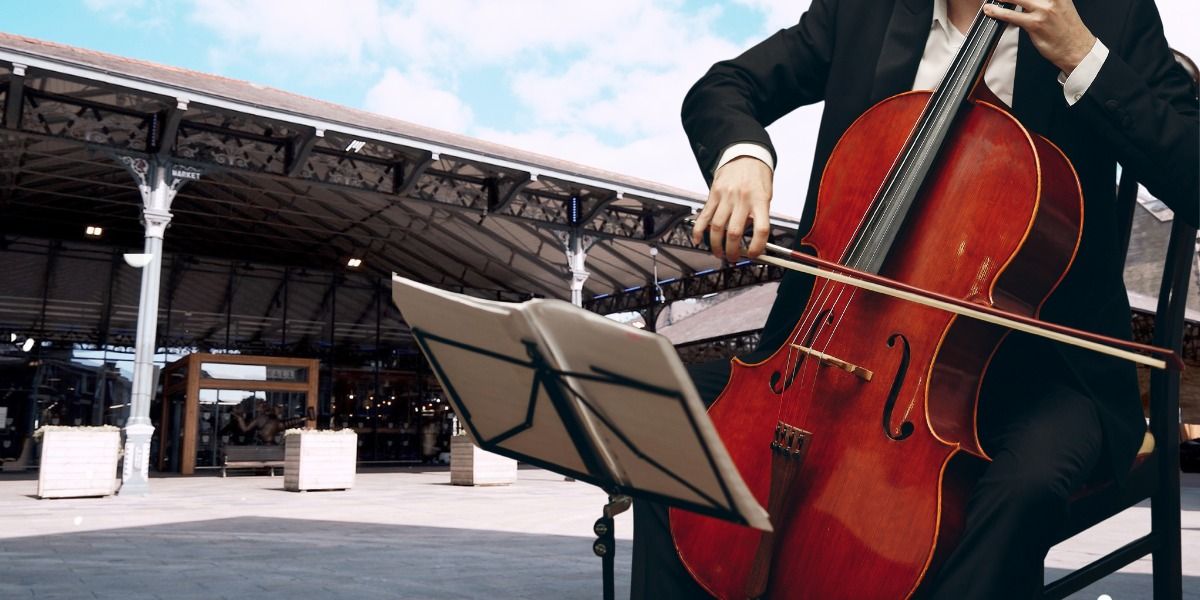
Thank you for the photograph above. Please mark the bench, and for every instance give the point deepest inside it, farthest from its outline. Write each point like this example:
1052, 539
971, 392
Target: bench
251, 457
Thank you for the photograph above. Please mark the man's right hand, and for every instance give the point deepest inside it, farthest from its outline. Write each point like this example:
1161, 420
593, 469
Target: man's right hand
741, 190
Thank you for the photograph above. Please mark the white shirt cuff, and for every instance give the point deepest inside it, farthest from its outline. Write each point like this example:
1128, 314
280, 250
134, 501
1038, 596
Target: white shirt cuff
1075, 86
746, 149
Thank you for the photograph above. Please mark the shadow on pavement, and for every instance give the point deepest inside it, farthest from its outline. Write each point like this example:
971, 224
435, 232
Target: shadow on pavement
1125, 586
259, 557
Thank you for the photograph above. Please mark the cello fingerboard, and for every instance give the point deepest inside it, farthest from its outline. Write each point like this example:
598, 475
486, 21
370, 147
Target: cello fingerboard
899, 190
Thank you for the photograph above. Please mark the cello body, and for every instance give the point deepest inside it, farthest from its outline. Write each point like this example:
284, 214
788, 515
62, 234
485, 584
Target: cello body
859, 435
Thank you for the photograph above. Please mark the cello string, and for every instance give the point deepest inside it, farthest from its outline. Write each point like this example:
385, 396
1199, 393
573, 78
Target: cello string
936, 115
865, 226
941, 117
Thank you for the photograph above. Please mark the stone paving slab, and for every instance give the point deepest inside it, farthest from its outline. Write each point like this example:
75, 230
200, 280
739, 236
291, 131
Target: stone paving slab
400, 534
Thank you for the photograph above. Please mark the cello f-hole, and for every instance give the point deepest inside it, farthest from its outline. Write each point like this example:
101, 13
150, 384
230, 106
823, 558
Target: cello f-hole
906, 428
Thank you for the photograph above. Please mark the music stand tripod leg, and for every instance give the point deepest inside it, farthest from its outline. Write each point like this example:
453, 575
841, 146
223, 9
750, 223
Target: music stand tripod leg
605, 545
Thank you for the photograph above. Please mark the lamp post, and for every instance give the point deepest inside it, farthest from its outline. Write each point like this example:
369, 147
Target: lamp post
158, 182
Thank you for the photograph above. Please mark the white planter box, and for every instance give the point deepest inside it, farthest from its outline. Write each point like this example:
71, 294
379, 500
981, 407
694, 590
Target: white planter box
319, 460
78, 461
471, 465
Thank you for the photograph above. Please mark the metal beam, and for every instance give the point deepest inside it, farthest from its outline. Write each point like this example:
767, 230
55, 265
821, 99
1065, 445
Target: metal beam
325, 299
601, 204
173, 278
534, 259
168, 90
15, 98
166, 139
6, 194
405, 184
669, 226
106, 315
271, 304
645, 274
226, 306
517, 187
416, 238
705, 282
563, 243
299, 150
47, 281
471, 244
684, 268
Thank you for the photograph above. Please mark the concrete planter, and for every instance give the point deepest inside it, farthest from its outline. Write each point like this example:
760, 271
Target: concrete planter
471, 465
78, 461
319, 460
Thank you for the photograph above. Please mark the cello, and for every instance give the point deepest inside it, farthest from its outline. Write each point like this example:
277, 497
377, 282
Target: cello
859, 433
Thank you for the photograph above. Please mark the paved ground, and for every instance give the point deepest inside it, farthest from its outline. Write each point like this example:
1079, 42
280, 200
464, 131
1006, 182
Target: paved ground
398, 534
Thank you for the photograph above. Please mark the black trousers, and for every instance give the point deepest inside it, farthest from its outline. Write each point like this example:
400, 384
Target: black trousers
1045, 440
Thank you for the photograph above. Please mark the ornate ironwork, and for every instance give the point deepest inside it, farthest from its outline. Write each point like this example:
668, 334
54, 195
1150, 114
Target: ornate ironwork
719, 348
707, 282
129, 121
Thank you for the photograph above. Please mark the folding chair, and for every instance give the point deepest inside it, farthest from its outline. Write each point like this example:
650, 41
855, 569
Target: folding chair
1155, 474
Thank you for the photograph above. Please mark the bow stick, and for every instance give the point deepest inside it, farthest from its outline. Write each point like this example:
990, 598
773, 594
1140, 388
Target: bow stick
1159, 358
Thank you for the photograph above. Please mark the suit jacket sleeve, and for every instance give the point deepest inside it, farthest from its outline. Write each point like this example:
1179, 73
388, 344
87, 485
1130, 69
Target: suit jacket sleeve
1144, 104
737, 99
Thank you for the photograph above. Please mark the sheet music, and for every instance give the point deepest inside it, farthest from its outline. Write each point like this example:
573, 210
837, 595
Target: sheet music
657, 439
594, 344
485, 383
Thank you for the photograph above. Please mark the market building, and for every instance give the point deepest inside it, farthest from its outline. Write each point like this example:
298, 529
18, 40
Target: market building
150, 208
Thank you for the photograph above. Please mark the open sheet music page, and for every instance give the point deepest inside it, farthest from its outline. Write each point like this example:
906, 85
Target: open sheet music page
496, 394
640, 428
631, 392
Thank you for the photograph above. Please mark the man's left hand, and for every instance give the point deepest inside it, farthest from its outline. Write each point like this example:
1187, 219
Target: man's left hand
1053, 26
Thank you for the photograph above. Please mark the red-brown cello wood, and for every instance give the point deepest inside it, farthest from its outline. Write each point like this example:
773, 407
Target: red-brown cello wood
859, 434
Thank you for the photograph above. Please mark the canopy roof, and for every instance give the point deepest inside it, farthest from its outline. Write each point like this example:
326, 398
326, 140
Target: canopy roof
293, 187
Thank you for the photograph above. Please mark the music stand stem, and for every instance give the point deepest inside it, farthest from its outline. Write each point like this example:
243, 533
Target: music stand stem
605, 545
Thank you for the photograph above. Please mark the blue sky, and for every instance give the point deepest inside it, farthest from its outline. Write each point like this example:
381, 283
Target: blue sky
595, 82
173, 33
598, 83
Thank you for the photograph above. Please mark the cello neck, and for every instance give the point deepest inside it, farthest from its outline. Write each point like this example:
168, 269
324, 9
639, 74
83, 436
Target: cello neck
899, 190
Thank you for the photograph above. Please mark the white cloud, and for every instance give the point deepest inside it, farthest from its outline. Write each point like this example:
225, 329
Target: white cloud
477, 31
302, 29
139, 13
417, 98
1179, 24
617, 105
777, 15
113, 5
663, 158
598, 83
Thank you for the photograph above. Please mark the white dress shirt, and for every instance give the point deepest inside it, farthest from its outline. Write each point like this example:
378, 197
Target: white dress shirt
940, 48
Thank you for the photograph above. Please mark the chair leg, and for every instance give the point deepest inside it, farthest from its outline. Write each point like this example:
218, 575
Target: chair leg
1165, 522
1168, 564
1164, 504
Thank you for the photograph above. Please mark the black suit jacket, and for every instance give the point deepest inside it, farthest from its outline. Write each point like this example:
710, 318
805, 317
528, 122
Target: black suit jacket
1140, 111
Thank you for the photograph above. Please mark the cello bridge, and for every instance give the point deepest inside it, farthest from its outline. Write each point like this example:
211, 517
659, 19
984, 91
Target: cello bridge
833, 361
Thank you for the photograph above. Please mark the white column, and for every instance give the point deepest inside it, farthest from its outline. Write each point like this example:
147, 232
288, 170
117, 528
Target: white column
577, 263
157, 194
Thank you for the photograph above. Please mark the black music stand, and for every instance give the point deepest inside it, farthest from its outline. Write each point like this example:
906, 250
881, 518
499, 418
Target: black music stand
555, 384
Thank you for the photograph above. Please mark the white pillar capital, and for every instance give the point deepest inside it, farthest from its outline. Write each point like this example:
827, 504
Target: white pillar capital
156, 221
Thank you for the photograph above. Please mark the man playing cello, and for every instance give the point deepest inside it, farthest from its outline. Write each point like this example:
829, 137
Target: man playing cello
1099, 81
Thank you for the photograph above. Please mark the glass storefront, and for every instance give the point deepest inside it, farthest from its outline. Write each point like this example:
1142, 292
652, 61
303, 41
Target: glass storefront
399, 416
